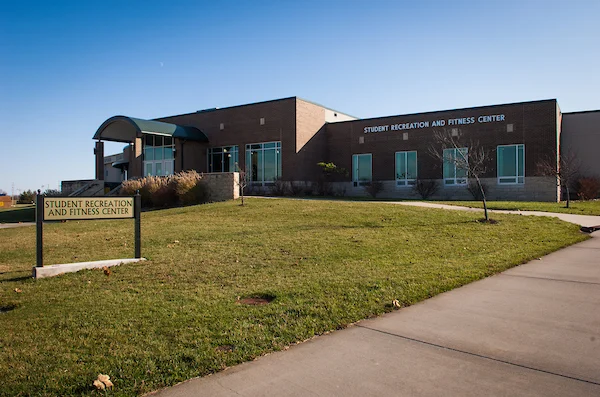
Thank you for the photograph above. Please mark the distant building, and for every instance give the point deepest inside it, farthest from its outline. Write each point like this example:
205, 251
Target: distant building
286, 138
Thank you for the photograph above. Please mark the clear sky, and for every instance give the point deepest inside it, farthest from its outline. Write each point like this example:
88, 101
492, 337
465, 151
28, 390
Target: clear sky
66, 66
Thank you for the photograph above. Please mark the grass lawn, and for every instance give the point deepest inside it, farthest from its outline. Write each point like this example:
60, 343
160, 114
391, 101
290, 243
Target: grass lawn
155, 323
576, 207
18, 213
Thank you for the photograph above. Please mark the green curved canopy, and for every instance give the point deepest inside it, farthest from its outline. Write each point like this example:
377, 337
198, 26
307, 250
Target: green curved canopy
126, 129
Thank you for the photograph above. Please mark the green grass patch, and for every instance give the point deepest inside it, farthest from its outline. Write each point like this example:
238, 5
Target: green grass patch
321, 265
19, 213
576, 207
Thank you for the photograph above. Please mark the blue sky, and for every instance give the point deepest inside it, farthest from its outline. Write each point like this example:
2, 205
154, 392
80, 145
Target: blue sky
66, 66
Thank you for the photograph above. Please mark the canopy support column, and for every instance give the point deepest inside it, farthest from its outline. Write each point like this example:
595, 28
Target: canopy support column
99, 152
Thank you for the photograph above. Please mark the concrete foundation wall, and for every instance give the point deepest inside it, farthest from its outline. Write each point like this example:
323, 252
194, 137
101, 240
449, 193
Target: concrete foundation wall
534, 189
223, 185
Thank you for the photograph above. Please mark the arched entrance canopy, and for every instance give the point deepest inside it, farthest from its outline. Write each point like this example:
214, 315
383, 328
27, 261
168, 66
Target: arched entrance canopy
126, 129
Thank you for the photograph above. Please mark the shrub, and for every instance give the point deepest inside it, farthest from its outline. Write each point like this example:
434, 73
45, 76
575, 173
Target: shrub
329, 173
426, 187
308, 188
296, 188
374, 188
473, 188
279, 187
588, 188
341, 191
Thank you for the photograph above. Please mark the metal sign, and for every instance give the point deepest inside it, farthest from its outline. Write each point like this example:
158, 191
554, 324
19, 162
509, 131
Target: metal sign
84, 208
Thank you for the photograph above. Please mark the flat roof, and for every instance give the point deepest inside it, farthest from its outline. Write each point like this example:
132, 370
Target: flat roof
252, 104
447, 110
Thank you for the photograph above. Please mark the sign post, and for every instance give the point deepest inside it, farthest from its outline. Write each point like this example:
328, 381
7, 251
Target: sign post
39, 225
85, 208
137, 207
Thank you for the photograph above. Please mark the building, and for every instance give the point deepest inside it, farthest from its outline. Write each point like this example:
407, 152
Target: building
286, 138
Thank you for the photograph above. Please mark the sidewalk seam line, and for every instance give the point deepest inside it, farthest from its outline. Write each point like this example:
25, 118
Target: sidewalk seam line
478, 355
550, 279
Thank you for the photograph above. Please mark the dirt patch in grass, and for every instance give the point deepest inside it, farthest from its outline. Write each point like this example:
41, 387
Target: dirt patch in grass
7, 307
488, 221
257, 300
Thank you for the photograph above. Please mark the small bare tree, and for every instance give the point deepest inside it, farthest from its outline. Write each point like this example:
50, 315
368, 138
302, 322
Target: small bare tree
564, 166
243, 181
474, 161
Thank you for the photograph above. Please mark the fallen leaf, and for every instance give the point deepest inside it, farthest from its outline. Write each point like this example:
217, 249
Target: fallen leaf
99, 385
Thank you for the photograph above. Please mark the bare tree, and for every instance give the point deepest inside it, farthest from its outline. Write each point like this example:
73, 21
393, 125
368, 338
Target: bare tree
473, 161
564, 166
243, 181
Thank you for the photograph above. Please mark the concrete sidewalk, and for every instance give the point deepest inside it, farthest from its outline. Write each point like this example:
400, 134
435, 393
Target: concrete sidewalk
533, 330
582, 220
13, 225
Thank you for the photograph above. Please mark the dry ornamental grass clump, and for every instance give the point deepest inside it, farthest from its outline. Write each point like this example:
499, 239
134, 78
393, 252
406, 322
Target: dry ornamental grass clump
183, 188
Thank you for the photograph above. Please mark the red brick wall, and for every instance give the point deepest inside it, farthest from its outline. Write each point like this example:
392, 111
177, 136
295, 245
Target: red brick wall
5, 202
241, 126
534, 124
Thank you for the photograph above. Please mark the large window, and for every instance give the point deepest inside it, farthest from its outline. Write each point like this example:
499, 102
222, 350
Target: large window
456, 165
511, 164
362, 169
406, 168
263, 162
222, 159
158, 155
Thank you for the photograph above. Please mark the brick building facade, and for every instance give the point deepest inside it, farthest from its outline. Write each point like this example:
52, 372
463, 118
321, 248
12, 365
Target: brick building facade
286, 138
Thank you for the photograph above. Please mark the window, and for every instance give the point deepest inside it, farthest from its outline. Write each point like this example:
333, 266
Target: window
222, 159
406, 168
159, 153
362, 173
263, 162
456, 165
511, 164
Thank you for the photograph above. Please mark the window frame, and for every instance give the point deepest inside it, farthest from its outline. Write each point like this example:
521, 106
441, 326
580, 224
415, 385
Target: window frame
263, 147
455, 181
406, 182
150, 144
516, 179
355, 181
232, 150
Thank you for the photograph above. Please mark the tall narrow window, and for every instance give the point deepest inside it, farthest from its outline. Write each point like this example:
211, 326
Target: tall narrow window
511, 164
222, 159
263, 162
362, 170
158, 155
406, 168
456, 166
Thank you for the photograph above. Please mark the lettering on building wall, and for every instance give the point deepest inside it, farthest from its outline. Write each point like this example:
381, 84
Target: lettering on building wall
62, 208
436, 123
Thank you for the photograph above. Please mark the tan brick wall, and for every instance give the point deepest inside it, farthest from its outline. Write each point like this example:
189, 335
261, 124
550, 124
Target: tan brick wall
310, 141
223, 186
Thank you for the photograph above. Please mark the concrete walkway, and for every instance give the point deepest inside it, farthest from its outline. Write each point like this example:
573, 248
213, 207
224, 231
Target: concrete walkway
13, 225
582, 220
533, 330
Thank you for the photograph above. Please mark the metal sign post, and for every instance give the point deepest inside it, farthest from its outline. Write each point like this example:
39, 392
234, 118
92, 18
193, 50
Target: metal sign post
39, 225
